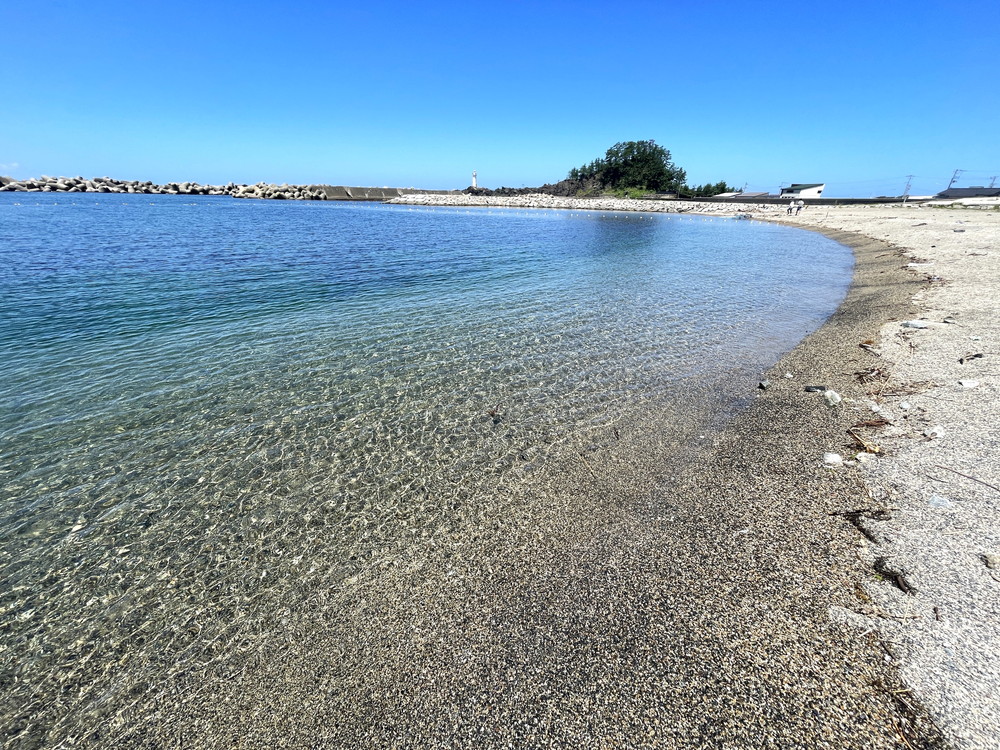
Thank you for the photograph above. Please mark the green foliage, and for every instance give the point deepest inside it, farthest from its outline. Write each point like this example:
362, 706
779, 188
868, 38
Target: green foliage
708, 189
630, 192
639, 165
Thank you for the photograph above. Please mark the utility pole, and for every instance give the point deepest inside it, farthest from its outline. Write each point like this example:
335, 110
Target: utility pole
906, 190
993, 181
954, 177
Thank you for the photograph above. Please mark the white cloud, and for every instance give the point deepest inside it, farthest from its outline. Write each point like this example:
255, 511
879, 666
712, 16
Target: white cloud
12, 165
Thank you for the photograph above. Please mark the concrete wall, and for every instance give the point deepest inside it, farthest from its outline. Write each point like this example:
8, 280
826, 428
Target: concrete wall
345, 193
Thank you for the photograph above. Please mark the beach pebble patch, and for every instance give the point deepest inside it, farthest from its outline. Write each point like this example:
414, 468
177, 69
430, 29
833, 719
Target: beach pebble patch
832, 398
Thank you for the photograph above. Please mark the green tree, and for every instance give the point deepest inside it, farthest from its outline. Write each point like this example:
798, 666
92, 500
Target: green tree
641, 165
708, 189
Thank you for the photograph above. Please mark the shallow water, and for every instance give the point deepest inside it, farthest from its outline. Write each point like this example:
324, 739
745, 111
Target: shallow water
212, 407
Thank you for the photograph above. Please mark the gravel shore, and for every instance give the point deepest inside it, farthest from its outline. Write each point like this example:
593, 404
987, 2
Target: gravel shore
675, 583
660, 585
926, 505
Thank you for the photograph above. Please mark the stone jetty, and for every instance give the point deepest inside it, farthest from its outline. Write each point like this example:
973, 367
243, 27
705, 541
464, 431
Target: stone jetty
544, 200
45, 184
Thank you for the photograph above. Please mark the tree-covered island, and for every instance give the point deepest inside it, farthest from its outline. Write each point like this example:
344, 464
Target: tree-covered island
629, 169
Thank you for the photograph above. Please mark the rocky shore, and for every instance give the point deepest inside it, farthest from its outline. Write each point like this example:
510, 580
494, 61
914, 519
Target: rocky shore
47, 184
544, 200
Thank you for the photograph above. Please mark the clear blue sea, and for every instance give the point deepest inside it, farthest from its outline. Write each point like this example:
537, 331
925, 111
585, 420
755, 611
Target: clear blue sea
207, 404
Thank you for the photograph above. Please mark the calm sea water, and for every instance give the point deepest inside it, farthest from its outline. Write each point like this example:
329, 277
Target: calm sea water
208, 406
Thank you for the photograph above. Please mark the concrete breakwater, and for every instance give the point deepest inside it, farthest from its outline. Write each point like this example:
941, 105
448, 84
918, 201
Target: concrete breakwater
542, 200
263, 190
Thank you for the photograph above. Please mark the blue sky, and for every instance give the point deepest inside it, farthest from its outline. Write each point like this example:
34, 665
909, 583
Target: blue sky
855, 94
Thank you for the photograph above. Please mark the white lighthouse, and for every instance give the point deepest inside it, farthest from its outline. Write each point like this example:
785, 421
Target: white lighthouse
474, 178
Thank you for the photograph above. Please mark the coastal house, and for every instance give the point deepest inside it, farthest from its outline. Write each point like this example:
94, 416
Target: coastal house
804, 190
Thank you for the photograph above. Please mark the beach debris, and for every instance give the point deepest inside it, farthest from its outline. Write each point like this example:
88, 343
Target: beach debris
878, 422
904, 405
869, 346
832, 398
867, 445
897, 577
969, 476
764, 385
815, 388
857, 519
951, 320
992, 562
913, 324
832, 459
968, 383
934, 432
969, 357
940, 501
864, 458
975, 338
788, 376
867, 376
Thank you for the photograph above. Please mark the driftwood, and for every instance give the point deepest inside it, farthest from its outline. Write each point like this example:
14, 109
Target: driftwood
987, 484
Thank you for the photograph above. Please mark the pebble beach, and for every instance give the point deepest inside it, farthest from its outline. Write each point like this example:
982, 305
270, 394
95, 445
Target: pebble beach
814, 566
905, 508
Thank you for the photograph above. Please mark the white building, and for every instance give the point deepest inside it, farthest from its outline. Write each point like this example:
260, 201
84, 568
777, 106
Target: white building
805, 190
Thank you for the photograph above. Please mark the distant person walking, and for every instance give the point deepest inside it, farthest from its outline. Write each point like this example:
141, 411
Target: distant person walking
791, 207
799, 206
